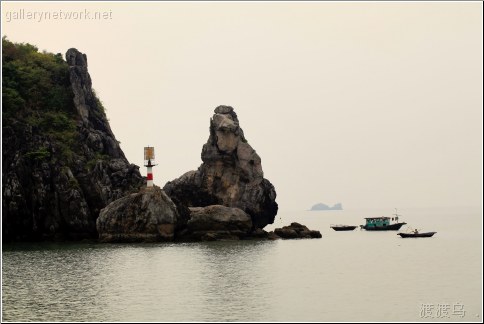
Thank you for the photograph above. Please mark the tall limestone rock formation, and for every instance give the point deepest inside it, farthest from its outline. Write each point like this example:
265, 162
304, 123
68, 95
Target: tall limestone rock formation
230, 175
61, 161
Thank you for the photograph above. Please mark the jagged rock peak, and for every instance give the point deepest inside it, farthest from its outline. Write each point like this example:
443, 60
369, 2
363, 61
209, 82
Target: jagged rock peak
225, 133
223, 109
92, 116
84, 99
227, 110
225, 119
76, 58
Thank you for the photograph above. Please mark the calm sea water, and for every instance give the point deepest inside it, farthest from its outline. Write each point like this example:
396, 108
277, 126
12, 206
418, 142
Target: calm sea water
345, 276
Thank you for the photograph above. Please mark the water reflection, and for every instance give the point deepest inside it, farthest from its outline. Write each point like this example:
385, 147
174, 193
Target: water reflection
234, 282
145, 282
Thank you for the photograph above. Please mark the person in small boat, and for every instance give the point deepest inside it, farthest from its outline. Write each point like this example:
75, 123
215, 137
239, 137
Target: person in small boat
415, 231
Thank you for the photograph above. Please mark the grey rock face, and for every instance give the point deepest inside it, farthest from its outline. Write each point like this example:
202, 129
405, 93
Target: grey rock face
148, 215
217, 222
81, 82
231, 174
96, 132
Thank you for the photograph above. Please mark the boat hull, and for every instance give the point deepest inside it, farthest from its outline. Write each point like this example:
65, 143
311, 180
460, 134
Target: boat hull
343, 228
405, 235
391, 227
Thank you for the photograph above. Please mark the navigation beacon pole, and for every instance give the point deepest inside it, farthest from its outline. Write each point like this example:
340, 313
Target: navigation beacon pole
149, 164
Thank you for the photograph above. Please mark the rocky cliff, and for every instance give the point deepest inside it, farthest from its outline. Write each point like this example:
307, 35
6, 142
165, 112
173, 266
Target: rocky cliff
230, 175
61, 162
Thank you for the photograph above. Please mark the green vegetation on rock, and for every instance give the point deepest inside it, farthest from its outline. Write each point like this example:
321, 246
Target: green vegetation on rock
37, 94
34, 81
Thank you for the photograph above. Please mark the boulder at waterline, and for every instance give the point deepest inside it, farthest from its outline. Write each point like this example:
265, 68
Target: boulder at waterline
296, 230
146, 216
216, 222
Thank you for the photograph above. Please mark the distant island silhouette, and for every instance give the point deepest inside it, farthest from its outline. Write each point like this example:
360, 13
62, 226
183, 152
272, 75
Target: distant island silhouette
322, 206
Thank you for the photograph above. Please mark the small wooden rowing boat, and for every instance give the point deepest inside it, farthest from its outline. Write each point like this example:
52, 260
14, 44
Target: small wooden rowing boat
343, 227
417, 234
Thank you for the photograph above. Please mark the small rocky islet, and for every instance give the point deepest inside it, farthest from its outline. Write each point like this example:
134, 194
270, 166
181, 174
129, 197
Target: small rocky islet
226, 198
72, 181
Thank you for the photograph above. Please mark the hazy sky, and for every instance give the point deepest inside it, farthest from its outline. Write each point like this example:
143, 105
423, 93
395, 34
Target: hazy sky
374, 105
